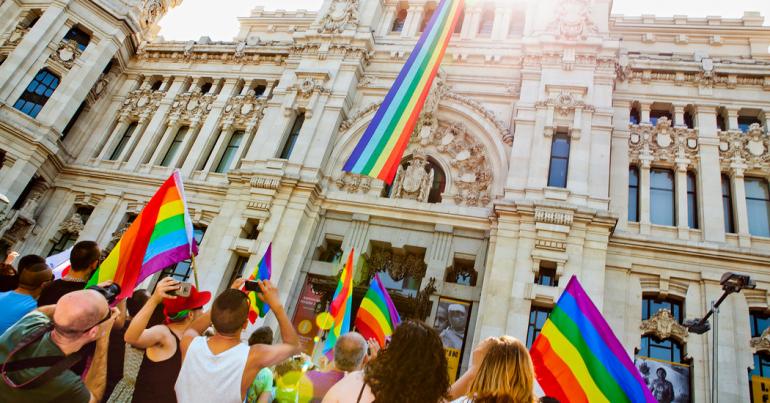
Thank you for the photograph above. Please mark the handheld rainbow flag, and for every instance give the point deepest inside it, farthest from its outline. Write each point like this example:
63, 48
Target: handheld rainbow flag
263, 271
341, 306
382, 145
160, 236
577, 357
377, 317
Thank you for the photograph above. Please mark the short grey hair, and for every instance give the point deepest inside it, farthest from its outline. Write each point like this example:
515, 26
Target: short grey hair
349, 352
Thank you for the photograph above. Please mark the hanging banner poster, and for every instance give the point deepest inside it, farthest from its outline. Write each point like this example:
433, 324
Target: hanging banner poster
451, 322
668, 381
760, 389
305, 315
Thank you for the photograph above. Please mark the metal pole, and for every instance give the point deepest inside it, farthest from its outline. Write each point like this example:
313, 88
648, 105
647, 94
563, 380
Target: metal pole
715, 352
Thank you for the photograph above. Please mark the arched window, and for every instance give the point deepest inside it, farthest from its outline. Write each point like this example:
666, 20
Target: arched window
487, 22
37, 93
557, 172
79, 36
662, 196
653, 347
439, 181
398, 23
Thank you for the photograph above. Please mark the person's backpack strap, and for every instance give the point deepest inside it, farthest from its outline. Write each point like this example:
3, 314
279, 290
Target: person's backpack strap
361, 392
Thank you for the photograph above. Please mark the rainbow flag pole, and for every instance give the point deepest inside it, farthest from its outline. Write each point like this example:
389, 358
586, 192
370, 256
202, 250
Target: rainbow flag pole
160, 236
578, 358
263, 271
342, 304
380, 149
377, 316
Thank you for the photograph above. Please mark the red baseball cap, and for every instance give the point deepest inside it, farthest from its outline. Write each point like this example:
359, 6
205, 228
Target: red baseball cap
196, 300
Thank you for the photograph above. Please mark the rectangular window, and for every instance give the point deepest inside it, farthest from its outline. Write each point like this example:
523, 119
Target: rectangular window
537, 318
546, 274
744, 122
183, 270
230, 153
662, 197
692, 201
123, 141
633, 194
758, 206
758, 321
37, 93
79, 36
293, 135
651, 306
727, 204
557, 172
173, 149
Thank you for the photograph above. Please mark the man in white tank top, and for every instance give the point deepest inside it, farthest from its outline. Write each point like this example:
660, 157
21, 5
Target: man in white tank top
221, 368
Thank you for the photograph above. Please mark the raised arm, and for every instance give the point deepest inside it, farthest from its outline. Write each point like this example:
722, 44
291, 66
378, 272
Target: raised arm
137, 333
96, 378
263, 355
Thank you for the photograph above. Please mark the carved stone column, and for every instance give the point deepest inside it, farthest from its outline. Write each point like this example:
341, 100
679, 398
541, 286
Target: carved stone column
732, 119
680, 190
679, 115
356, 237
114, 137
411, 16
217, 151
171, 128
739, 201
645, 112
387, 20
644, 193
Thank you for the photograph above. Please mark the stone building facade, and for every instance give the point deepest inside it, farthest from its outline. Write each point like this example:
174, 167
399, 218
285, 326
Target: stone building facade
557, 140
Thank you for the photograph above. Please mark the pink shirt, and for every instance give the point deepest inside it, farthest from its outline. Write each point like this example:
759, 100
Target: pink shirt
347, 390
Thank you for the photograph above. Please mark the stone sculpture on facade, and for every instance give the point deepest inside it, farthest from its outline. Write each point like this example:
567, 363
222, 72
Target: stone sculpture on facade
663, 143
663, 325
415, 181
573, 20
341, 15
748, 149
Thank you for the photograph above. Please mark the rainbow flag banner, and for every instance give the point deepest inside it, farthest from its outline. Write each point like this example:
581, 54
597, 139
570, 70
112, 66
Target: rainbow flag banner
380, 149
263, 271
577, 357
342, 304
160, 236
377, 317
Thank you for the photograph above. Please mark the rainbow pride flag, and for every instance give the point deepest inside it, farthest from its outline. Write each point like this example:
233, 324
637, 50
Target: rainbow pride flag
380, 149
160, 236
377, 317
577, 357
342, 304
263, 271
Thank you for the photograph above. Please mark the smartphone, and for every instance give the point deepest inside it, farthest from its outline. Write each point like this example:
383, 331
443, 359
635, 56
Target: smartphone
184, 290
251, 286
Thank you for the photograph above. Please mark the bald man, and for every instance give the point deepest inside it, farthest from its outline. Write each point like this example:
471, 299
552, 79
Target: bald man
78, 318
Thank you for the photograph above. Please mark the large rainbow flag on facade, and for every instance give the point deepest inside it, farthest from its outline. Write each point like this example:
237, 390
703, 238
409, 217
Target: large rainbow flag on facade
263, 271
577, 357
342, 304
160, 236
380, 149
377, 316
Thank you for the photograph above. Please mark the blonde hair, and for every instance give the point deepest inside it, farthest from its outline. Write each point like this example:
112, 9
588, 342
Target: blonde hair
505, 375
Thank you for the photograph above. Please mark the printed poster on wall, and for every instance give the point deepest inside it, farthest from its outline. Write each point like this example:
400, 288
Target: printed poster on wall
760, 389
305, 314
668, 381
451, 322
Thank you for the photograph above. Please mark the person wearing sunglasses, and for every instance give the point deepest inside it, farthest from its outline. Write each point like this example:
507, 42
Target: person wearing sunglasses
23, 299
37, 352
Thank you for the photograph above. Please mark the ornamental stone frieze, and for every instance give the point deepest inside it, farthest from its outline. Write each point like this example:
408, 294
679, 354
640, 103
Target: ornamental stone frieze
324, 49
244, 110
261, 52
663, 325
664, 143
191, 107
305, 91
397, 265
761, 344
341, 15
16, 36
573, 21
141, 103
353, 183
66, 53
72, 225
749, 150
564, 103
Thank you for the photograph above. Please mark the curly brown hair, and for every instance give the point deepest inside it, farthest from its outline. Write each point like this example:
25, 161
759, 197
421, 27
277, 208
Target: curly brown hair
412, 369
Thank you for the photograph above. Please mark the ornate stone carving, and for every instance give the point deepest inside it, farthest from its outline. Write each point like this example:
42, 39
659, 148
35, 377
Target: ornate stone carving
662, 325
16, 36
141, 103
564, 103
66, 53
505, 134
553, 217
421, 303
415, 181
353, 183
152, 10
750, 149
72, 225
663, 143
573, 20
244, 110
358, 114
191, 106
398, 265
761, 343
341, 15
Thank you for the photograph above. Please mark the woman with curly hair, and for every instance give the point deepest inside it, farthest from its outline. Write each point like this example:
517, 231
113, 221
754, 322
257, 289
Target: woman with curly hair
501, 372
411, 369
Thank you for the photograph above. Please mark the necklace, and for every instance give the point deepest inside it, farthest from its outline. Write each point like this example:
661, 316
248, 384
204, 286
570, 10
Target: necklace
75, 280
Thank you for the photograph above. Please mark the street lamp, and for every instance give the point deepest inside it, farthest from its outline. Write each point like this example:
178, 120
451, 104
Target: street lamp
731, 283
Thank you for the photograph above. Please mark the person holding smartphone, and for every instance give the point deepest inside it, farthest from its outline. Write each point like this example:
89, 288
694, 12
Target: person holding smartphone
162, 356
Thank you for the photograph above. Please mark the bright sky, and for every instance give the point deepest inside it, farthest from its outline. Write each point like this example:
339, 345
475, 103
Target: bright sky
196, 18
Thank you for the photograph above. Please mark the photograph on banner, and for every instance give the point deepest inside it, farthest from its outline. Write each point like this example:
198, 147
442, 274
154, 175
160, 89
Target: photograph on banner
451, 322
668, 381
305, 315
760, 389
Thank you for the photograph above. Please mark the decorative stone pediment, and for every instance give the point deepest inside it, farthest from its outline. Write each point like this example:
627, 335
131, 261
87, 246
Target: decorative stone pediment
573, 20
16, 36
244, 110
341, 15
663, 325
663, 143
761, 343
750, 150
304, 92
141, 104
191, 107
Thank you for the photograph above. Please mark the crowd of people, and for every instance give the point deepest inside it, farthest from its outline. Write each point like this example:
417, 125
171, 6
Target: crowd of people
63, 342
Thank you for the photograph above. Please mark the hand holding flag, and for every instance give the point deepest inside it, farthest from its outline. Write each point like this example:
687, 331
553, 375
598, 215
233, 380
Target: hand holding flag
263, 271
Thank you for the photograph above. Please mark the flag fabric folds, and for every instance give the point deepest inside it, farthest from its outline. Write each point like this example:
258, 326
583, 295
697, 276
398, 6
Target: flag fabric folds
342, 304
578, 358
160, 236
263, 271
377, 317
60, 263
380, 149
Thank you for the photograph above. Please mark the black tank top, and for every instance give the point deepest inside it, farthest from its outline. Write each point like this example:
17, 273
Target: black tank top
155, 380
